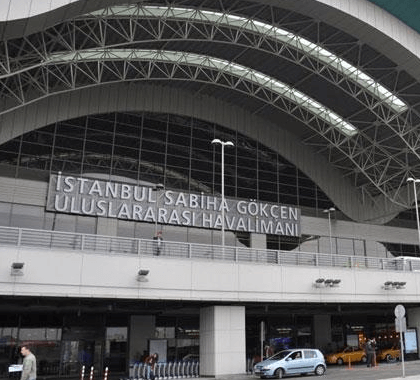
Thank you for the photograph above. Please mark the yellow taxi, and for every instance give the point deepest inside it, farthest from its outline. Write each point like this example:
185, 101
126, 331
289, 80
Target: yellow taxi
352, 354
388, 354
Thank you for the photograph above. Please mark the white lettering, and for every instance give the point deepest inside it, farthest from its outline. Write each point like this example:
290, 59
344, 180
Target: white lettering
169, 198
186, 216
65, 204
293, 213
58, 184
193, 201
82, 182
69, 182
274, 211
279, 229
96, 189
142, 196
181, 200
111, 189
125, 191
137, 212
102, 207
211, 203
123, 212
207, 220
174, 218
241, 207
92, 206
241, 225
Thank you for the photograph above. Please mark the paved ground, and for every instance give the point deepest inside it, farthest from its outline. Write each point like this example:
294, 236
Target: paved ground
383, 371
360, 372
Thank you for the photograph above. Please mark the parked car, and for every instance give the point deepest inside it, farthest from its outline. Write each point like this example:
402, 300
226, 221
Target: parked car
191, 358
388, 354
352, 354
291, 362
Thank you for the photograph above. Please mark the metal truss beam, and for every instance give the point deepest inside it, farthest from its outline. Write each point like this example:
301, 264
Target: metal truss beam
28, 73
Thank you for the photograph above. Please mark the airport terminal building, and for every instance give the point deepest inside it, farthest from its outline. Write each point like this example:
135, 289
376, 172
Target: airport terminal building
206, 178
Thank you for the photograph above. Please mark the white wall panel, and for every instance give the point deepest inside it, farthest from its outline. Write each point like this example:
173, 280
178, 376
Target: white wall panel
53, 273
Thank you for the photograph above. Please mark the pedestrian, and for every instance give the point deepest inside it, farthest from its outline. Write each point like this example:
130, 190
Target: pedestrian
373, 359
268, 351
370, 350
158, 243
151, 361
29, 364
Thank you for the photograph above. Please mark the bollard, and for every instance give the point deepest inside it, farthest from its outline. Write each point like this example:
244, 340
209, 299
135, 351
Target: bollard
106, 373
187, 372
170, 370
82, 374
197, 370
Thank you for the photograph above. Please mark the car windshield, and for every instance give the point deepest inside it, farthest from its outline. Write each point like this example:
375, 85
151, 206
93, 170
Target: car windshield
280, 355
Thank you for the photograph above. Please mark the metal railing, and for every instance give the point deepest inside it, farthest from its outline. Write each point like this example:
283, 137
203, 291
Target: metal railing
23, 237
165, 370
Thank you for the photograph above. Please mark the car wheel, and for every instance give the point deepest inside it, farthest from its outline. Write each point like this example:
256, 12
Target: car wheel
363, 359
390, 359
279, 373
340, 361
319, 370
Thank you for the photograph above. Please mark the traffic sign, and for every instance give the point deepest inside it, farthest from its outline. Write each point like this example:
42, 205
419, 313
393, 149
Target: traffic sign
399, 311
400, 325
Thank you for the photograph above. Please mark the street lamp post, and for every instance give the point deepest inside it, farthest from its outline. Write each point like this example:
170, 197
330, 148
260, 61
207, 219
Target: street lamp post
329, 211
415, 181
158, 187
223, 144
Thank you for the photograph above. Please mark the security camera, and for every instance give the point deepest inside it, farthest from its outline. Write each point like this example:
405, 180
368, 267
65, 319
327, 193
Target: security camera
17, 265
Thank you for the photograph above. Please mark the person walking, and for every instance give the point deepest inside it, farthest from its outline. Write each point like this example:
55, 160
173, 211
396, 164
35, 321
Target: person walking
158, 243
151, 361
29, 364
370, 351
373, 359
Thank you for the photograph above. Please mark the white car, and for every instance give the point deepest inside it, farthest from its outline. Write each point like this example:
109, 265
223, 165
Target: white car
292, 362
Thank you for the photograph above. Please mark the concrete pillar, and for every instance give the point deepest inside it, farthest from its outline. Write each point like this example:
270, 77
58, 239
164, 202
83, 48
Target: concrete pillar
142, 328
413, 321
222, 341
258, 241
322, 331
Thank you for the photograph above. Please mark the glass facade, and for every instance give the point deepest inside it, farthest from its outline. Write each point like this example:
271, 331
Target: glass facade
176, 151
159, 148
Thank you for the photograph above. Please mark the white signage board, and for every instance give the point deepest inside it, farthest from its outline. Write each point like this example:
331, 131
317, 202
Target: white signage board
15, 367
410, 338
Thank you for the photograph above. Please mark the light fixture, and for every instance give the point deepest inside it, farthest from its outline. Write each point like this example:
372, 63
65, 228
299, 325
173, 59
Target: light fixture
415, 182
391, 285
223, 144
158, 187
17, 269
329, 282
142, 274
329, 211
